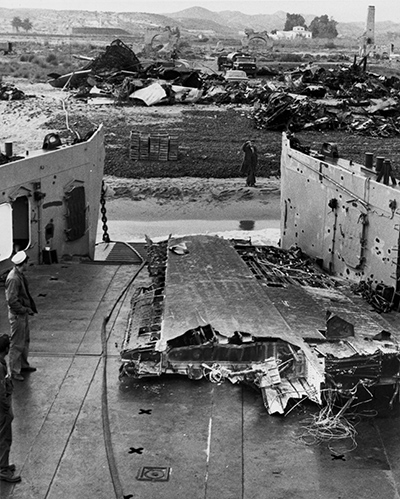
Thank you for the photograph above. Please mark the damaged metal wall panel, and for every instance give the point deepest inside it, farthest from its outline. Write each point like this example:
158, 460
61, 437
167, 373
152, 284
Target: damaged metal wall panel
45, 178
356, 236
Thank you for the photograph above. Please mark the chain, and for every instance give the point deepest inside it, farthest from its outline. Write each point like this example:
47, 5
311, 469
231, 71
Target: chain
106, 237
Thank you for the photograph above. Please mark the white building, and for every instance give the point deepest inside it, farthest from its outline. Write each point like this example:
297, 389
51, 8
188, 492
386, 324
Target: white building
297, 32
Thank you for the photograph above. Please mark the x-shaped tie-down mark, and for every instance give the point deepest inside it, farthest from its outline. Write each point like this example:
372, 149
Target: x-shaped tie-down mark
144, 411
134, 450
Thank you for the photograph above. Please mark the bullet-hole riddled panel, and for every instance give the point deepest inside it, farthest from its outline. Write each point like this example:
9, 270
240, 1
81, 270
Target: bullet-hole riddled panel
76, 213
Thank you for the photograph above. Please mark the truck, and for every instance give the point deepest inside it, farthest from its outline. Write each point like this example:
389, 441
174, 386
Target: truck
238, 61
5, 47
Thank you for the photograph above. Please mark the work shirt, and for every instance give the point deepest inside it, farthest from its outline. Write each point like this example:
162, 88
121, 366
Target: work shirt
18, 297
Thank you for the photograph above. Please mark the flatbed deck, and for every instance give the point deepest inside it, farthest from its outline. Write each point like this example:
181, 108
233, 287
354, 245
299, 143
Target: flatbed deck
191, 438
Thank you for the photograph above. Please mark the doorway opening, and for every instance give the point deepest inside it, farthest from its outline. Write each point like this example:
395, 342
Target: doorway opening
20, 223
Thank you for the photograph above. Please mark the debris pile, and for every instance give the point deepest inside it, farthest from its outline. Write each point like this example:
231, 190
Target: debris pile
223, 324
382, 298
278, 268
344, 97
10, 92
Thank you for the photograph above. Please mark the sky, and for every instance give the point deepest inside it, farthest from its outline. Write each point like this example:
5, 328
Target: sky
340, 10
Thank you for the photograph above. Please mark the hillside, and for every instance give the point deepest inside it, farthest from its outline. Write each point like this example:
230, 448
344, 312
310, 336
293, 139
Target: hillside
225, 23
236, 20
191, 22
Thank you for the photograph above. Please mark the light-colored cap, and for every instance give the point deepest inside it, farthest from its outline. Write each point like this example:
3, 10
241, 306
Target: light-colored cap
19, 257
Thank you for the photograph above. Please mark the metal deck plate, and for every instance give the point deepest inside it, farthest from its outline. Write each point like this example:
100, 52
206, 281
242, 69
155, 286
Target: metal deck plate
154, 474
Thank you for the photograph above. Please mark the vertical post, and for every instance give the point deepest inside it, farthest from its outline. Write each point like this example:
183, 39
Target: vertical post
379, 163
369, 159
8, 148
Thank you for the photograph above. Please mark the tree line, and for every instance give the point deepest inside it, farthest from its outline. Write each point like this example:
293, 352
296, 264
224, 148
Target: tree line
320, 27
17, 23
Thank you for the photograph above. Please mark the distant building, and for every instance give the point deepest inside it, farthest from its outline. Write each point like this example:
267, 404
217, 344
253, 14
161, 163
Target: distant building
297, 32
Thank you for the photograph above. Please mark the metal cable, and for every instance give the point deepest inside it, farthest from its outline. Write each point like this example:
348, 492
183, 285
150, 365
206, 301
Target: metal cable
118, 490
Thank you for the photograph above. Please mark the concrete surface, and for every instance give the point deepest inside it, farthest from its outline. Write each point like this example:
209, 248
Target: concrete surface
218, 440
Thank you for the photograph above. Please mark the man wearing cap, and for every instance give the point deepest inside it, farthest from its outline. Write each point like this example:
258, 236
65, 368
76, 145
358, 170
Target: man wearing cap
7, 470
20, 306
249, 164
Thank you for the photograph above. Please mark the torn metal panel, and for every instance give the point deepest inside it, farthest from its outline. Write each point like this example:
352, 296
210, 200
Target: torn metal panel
208, 316
213, 314
319, 307
151, 95
158, 93
71, 80
213, 285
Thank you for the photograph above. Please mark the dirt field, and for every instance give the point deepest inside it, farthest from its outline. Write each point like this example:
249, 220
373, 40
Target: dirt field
205, 178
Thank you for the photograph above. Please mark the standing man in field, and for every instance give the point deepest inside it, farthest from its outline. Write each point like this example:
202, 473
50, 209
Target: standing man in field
249, 164
7, 470
20, 306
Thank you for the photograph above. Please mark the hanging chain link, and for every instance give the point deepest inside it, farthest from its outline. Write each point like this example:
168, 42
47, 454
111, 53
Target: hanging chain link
106, 237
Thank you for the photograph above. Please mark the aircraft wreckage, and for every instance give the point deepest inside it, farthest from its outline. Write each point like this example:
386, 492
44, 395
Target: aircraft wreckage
229, 310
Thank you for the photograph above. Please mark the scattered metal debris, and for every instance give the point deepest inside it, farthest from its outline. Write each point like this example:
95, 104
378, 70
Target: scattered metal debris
209, 315
277, 267
382, 298
343, 98
309, 97
10, 92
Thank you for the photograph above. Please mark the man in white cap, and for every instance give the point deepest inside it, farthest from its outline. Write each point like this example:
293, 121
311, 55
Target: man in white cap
20, 306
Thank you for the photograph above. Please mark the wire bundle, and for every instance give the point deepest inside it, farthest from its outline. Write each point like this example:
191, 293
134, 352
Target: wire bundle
213, 373
328, 426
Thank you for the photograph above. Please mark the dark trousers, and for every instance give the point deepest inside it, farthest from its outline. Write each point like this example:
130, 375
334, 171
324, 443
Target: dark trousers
6, 417
19, 345
251, 178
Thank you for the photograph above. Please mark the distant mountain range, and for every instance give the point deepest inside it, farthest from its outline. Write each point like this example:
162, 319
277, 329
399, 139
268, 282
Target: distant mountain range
193, 20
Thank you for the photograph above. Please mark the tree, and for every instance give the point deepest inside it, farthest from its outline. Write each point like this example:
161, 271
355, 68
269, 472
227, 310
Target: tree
293, 20
26, 25
323, 27
16, 23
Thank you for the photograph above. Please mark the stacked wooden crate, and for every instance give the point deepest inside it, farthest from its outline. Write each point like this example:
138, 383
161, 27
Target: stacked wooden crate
134, 146
164, 146
173, 148
144, 147
153, 146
